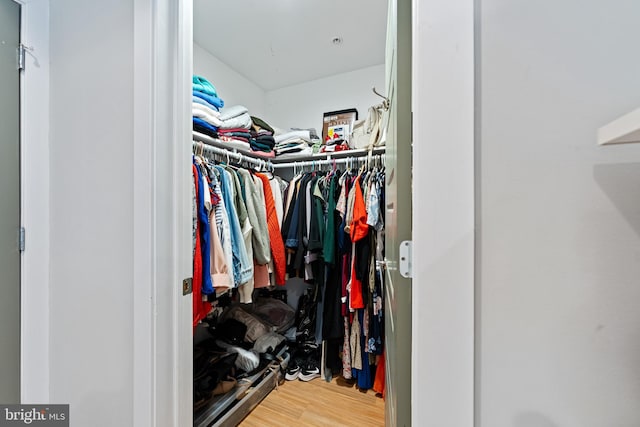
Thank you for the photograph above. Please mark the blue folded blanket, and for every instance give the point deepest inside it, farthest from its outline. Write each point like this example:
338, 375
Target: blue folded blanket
201, 101
213, 100
204, 124
203, 85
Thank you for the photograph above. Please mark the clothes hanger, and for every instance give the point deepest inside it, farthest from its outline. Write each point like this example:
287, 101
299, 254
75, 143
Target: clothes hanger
199, 152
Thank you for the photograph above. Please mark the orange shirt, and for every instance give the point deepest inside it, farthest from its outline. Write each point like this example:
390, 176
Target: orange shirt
275, 238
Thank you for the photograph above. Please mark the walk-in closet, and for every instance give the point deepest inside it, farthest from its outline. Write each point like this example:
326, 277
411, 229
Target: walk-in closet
291, 118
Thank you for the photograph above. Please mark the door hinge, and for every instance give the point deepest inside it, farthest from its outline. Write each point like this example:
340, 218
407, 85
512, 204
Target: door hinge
406, 267
21, 238
22, 55
411, 127
187, 286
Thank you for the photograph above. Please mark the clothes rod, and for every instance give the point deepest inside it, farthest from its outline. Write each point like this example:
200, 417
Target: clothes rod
322, 162
210, 149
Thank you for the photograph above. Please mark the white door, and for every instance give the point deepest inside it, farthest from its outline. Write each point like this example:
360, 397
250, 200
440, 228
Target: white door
398, 214
9, 202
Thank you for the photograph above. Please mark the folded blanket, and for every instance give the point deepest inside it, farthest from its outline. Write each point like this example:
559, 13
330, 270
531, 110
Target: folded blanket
233, 111
245, 135
206, 107
228, 138
235, 130
291, 142
306, 151
259, 124
242, 121
258, 147
205, 131
266, 155
293, 134
262, 132
204, 124
213, 100
205, 115
312, 132
266, 142
203, 85
266, 139
201, 101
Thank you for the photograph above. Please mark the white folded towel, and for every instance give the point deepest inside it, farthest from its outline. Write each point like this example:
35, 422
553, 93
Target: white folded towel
233, 111
242, 121
201, 112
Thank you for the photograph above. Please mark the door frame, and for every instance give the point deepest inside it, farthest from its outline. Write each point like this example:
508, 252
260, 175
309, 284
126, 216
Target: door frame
161, 217
35, 206
443, 96
443, 134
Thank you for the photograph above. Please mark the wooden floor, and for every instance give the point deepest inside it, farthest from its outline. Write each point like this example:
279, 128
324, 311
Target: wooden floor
317, 403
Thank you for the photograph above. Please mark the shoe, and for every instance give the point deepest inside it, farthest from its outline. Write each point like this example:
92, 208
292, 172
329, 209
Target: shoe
310, 371
293, 370
225, 386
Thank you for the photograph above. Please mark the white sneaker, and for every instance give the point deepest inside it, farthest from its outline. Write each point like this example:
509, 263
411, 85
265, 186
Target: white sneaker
292, 373
310, 372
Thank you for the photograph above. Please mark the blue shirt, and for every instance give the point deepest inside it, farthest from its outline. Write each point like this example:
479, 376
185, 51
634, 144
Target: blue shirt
242, 265
203, 217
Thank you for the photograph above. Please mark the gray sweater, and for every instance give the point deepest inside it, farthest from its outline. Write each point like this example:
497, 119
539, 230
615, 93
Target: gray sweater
257, 213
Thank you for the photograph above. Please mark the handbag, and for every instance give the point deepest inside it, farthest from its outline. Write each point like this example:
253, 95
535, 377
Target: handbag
367, 133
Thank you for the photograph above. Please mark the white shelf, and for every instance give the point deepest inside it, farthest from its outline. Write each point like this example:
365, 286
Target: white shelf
245, 150
235, 147
360, 152
623, 130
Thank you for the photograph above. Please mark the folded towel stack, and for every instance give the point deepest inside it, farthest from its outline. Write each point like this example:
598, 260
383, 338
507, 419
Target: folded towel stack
262, 136
258, 136
296, 142
206, 107
230, 124
235, 117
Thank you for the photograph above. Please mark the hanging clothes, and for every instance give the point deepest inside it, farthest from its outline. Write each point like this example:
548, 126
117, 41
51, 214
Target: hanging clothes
277, 246
333, 229
233, 209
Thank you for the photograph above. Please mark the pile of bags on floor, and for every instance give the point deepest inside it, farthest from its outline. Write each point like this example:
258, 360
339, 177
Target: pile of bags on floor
241, 341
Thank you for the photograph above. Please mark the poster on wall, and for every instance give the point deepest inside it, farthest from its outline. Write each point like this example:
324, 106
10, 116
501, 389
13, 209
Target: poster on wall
337, 126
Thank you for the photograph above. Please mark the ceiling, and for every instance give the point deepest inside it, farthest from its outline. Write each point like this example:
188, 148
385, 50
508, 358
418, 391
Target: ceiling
278, 43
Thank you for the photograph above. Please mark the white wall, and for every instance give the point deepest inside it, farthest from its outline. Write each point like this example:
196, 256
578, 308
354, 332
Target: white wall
35, 204
233, 88
302, 105
559, 342
91, 191
443, 214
